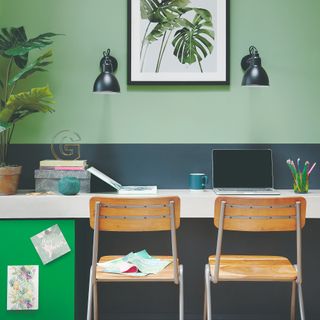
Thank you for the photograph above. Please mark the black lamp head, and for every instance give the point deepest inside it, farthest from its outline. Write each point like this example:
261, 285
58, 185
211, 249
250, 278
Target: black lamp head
254, 74
106, 81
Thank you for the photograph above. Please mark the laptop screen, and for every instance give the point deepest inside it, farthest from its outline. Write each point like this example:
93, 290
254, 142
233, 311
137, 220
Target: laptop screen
242, 169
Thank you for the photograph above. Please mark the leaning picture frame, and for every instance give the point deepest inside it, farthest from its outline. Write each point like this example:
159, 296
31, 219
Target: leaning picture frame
178, 42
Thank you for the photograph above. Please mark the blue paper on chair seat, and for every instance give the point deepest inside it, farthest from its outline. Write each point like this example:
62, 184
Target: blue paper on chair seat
135, 264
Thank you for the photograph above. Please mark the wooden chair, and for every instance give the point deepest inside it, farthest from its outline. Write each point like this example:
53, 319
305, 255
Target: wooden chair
260, 215
134, 215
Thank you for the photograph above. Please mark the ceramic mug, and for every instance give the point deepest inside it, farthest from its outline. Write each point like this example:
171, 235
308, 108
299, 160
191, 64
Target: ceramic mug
197, 181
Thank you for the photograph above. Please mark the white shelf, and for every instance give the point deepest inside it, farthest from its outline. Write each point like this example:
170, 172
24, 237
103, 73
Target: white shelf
197, 204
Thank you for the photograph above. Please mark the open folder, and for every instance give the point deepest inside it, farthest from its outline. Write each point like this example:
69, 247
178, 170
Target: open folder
120, 188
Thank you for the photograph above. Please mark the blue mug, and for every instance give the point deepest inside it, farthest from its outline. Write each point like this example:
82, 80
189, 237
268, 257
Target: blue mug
197, 181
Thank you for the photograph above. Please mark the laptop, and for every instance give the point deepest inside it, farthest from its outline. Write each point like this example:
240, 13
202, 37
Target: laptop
243, 172
120, 188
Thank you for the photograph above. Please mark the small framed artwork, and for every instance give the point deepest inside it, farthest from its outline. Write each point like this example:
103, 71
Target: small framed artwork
178, 42
50, 244
23, 287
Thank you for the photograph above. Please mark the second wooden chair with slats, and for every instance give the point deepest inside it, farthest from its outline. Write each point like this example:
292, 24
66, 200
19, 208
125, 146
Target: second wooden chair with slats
259, 215
134, 215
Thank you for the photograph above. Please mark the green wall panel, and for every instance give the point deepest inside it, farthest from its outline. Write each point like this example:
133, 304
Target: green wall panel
285, 32
56, 279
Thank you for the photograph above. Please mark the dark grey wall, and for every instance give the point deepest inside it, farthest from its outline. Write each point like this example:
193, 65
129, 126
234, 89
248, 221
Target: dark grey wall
196, 241
166, 165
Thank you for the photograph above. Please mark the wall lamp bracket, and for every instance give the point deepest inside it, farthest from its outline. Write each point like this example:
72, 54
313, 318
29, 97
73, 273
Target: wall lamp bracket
108, 60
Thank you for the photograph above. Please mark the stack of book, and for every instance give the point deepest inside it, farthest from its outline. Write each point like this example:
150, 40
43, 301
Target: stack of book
51, 171
63, 165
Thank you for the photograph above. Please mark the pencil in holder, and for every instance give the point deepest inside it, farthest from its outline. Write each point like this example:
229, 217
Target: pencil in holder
300, 177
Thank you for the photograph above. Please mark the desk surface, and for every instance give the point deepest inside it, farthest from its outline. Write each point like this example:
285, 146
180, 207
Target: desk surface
193, 204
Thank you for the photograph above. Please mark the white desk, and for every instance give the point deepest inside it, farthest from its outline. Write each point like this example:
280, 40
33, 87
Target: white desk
193, 204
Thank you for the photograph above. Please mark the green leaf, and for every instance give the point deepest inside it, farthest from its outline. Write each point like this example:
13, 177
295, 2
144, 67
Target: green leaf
156, 11
1, 84
14, 43
38, 42
23, 104
202, 14
9, 38
147, 7
5, 126
160, 28
194, 41
33, 67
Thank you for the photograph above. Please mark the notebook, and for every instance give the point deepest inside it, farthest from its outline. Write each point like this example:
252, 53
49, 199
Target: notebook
246, 172
123, 189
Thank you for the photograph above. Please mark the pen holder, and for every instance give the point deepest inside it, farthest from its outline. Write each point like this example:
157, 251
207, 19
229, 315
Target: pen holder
300, 176
301, 185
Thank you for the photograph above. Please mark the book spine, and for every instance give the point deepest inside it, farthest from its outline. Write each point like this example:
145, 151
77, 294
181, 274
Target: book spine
63, 163
62, 168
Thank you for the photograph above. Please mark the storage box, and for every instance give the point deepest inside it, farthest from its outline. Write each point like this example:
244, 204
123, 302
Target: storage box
47, 180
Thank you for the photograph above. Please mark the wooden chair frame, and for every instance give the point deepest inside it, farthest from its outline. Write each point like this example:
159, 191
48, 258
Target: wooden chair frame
103, 203
299, 223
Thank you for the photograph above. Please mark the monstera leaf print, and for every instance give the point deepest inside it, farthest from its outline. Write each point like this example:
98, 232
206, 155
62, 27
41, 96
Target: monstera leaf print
160, 11
194, 41
163, 13
163, 31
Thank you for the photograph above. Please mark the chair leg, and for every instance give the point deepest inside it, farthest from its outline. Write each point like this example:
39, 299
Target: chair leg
293, 300
181, 293
95, 301
89, 306
208, 291
205, 298
301, 304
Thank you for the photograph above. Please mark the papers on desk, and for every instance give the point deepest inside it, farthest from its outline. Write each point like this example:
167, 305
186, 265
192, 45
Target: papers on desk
135, 264
138, 190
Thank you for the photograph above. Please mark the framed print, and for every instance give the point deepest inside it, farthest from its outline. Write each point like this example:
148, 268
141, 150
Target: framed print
23, 288
50, 244
178, 42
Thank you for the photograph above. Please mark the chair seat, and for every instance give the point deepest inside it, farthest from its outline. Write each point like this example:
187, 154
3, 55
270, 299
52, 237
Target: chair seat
167, 274
254, 268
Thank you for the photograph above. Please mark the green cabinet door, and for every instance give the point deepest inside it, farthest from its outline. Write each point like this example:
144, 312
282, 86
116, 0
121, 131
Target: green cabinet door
56, 279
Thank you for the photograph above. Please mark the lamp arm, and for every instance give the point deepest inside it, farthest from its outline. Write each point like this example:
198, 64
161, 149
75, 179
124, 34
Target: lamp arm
253, 50
248, 59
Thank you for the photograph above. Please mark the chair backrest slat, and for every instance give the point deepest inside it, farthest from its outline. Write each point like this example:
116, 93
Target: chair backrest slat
135, 214
259, 214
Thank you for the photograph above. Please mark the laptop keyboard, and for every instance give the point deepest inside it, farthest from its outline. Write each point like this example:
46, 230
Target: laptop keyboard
246, 189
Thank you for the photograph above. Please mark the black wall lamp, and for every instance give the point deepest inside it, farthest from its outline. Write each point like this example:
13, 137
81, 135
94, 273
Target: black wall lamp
254, 74
106, 81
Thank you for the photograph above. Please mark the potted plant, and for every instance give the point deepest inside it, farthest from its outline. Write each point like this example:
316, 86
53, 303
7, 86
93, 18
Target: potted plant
15, 104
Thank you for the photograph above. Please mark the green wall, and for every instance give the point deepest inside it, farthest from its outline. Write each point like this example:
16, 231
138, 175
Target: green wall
286, 33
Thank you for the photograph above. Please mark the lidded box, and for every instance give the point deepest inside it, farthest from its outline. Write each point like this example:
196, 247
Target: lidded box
47, 180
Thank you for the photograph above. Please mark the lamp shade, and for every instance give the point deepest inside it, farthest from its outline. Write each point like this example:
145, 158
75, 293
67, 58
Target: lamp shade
254, 74
106, 82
